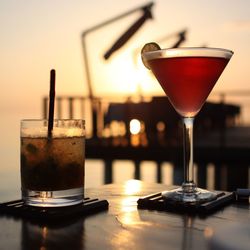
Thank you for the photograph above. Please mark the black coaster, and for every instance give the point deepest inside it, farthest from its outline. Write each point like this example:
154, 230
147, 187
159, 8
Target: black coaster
156, 202
17, 208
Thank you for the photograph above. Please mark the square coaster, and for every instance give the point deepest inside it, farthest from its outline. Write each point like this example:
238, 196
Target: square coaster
156, 202
17, 208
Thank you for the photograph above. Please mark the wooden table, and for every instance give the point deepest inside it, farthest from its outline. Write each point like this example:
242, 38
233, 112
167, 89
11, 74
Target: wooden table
124, 226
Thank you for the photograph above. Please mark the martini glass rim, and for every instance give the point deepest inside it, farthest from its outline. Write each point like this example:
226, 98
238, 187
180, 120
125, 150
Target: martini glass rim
188, 52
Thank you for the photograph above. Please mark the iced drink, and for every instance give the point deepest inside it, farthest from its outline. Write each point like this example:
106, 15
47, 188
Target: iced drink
52, 169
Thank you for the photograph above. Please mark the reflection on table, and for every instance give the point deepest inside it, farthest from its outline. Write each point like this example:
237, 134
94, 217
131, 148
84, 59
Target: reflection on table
124, 226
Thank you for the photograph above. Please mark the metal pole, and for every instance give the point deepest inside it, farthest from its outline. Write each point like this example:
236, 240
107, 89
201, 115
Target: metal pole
96, 27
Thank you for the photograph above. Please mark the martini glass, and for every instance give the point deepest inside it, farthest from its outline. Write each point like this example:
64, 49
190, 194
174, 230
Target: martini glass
187, 75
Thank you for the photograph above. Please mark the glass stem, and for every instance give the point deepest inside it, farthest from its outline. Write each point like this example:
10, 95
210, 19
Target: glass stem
188, 185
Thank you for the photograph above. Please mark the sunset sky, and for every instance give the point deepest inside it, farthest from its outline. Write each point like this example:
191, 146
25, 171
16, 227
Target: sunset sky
39, 35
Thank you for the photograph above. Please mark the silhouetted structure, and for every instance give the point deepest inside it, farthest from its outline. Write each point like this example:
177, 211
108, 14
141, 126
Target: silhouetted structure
162, 123
159, 138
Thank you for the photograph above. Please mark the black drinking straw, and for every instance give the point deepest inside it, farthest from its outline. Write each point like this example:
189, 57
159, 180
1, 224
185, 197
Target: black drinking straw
51, 102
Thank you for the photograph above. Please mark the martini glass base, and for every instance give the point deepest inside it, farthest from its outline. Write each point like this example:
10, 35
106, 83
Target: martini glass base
198, 196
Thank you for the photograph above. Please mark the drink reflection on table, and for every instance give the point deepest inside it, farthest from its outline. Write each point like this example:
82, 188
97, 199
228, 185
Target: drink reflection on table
179, 231
59, 235
187, 232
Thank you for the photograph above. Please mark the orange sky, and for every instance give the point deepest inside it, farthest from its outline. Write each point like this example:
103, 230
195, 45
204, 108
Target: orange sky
39, 35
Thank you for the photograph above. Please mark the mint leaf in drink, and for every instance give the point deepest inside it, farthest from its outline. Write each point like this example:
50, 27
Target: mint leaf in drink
31, 148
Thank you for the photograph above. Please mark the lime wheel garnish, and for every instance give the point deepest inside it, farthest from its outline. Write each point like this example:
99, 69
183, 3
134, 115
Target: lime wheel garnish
147, 48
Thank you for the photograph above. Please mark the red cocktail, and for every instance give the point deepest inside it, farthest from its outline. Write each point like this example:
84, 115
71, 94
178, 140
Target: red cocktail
187, 75
187, 81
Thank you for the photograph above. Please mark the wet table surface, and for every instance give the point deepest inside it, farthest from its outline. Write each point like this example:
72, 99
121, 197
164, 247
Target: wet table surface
124, 226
